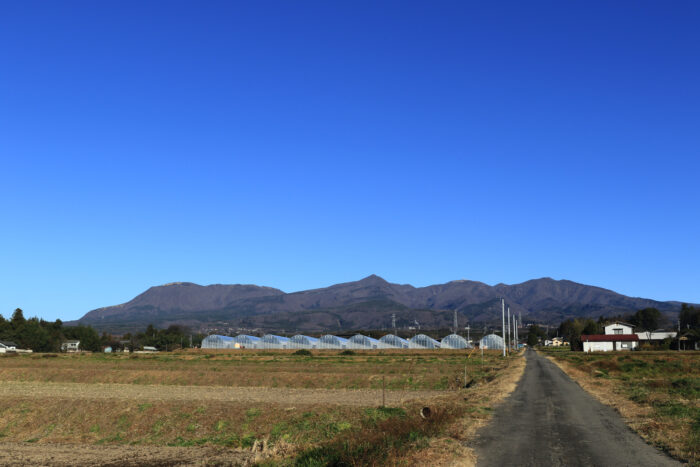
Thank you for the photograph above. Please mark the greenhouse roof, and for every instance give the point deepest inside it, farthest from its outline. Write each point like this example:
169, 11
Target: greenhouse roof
223, 338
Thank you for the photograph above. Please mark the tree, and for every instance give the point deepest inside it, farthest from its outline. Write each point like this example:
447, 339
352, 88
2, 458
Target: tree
533, 334
571, 330
690, 317
647, 320
18, 318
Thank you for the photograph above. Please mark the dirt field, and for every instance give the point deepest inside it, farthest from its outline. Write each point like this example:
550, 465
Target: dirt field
244, 395
117, 410
18, 454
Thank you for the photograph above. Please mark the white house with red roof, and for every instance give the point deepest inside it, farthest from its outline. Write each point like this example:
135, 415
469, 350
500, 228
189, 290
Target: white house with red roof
618, 336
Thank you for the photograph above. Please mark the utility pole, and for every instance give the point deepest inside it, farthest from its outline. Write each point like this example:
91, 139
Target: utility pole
393, 322
503, 324
456, 328
509, 347
679, 335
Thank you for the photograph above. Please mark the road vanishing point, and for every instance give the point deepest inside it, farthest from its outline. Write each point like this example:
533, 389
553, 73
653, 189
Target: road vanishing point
550, 420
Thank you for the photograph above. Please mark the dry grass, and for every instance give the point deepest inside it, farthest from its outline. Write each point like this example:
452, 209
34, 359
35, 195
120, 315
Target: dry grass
409, 370
410, 440
657, 393
83, 401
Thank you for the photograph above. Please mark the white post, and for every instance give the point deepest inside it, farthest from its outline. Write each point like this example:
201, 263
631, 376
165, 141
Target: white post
503, 324
509, 346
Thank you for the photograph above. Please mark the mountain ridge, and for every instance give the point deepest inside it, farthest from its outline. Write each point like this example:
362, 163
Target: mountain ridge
363, 304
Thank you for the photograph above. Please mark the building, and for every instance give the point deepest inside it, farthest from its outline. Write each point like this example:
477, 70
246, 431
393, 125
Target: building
491, 342
301, 341
609, 342
7, 346
272, 341
70, 346
215, 341
619, 327
332, 342
454, 341
555, 342
392, 341
360, 342
421, 341
655, 336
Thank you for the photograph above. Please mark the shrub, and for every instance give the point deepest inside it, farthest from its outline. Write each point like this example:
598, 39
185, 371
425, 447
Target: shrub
303, 352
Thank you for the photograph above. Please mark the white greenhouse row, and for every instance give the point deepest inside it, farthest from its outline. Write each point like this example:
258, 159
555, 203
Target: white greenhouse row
357, 342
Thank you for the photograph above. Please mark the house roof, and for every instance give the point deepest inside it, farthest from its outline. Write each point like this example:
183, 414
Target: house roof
8, 343
609, 337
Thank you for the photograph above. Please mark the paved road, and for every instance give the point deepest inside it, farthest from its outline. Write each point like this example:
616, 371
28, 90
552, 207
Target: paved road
550, 421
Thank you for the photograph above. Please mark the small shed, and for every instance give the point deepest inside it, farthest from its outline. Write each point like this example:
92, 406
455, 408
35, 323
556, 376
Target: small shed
7, 346
70, 346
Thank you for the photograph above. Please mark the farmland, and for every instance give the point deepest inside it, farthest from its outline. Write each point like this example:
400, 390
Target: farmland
658, 393
245, 406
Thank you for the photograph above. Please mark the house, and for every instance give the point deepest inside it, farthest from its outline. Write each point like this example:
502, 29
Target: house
619, 327
555, 342
148, 348
609, 342
70, 346
7, 346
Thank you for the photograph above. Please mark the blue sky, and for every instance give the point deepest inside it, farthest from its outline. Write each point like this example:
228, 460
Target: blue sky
298, 144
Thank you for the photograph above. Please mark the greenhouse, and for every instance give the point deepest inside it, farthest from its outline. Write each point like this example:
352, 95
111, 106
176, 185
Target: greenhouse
245, 341
271, 341
492, 341
332, 342
217, 342
361, 342
303, 342
421, 341
391, 341
454, 341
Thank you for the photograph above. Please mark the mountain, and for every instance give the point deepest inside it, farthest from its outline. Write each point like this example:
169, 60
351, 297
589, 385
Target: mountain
365, 304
